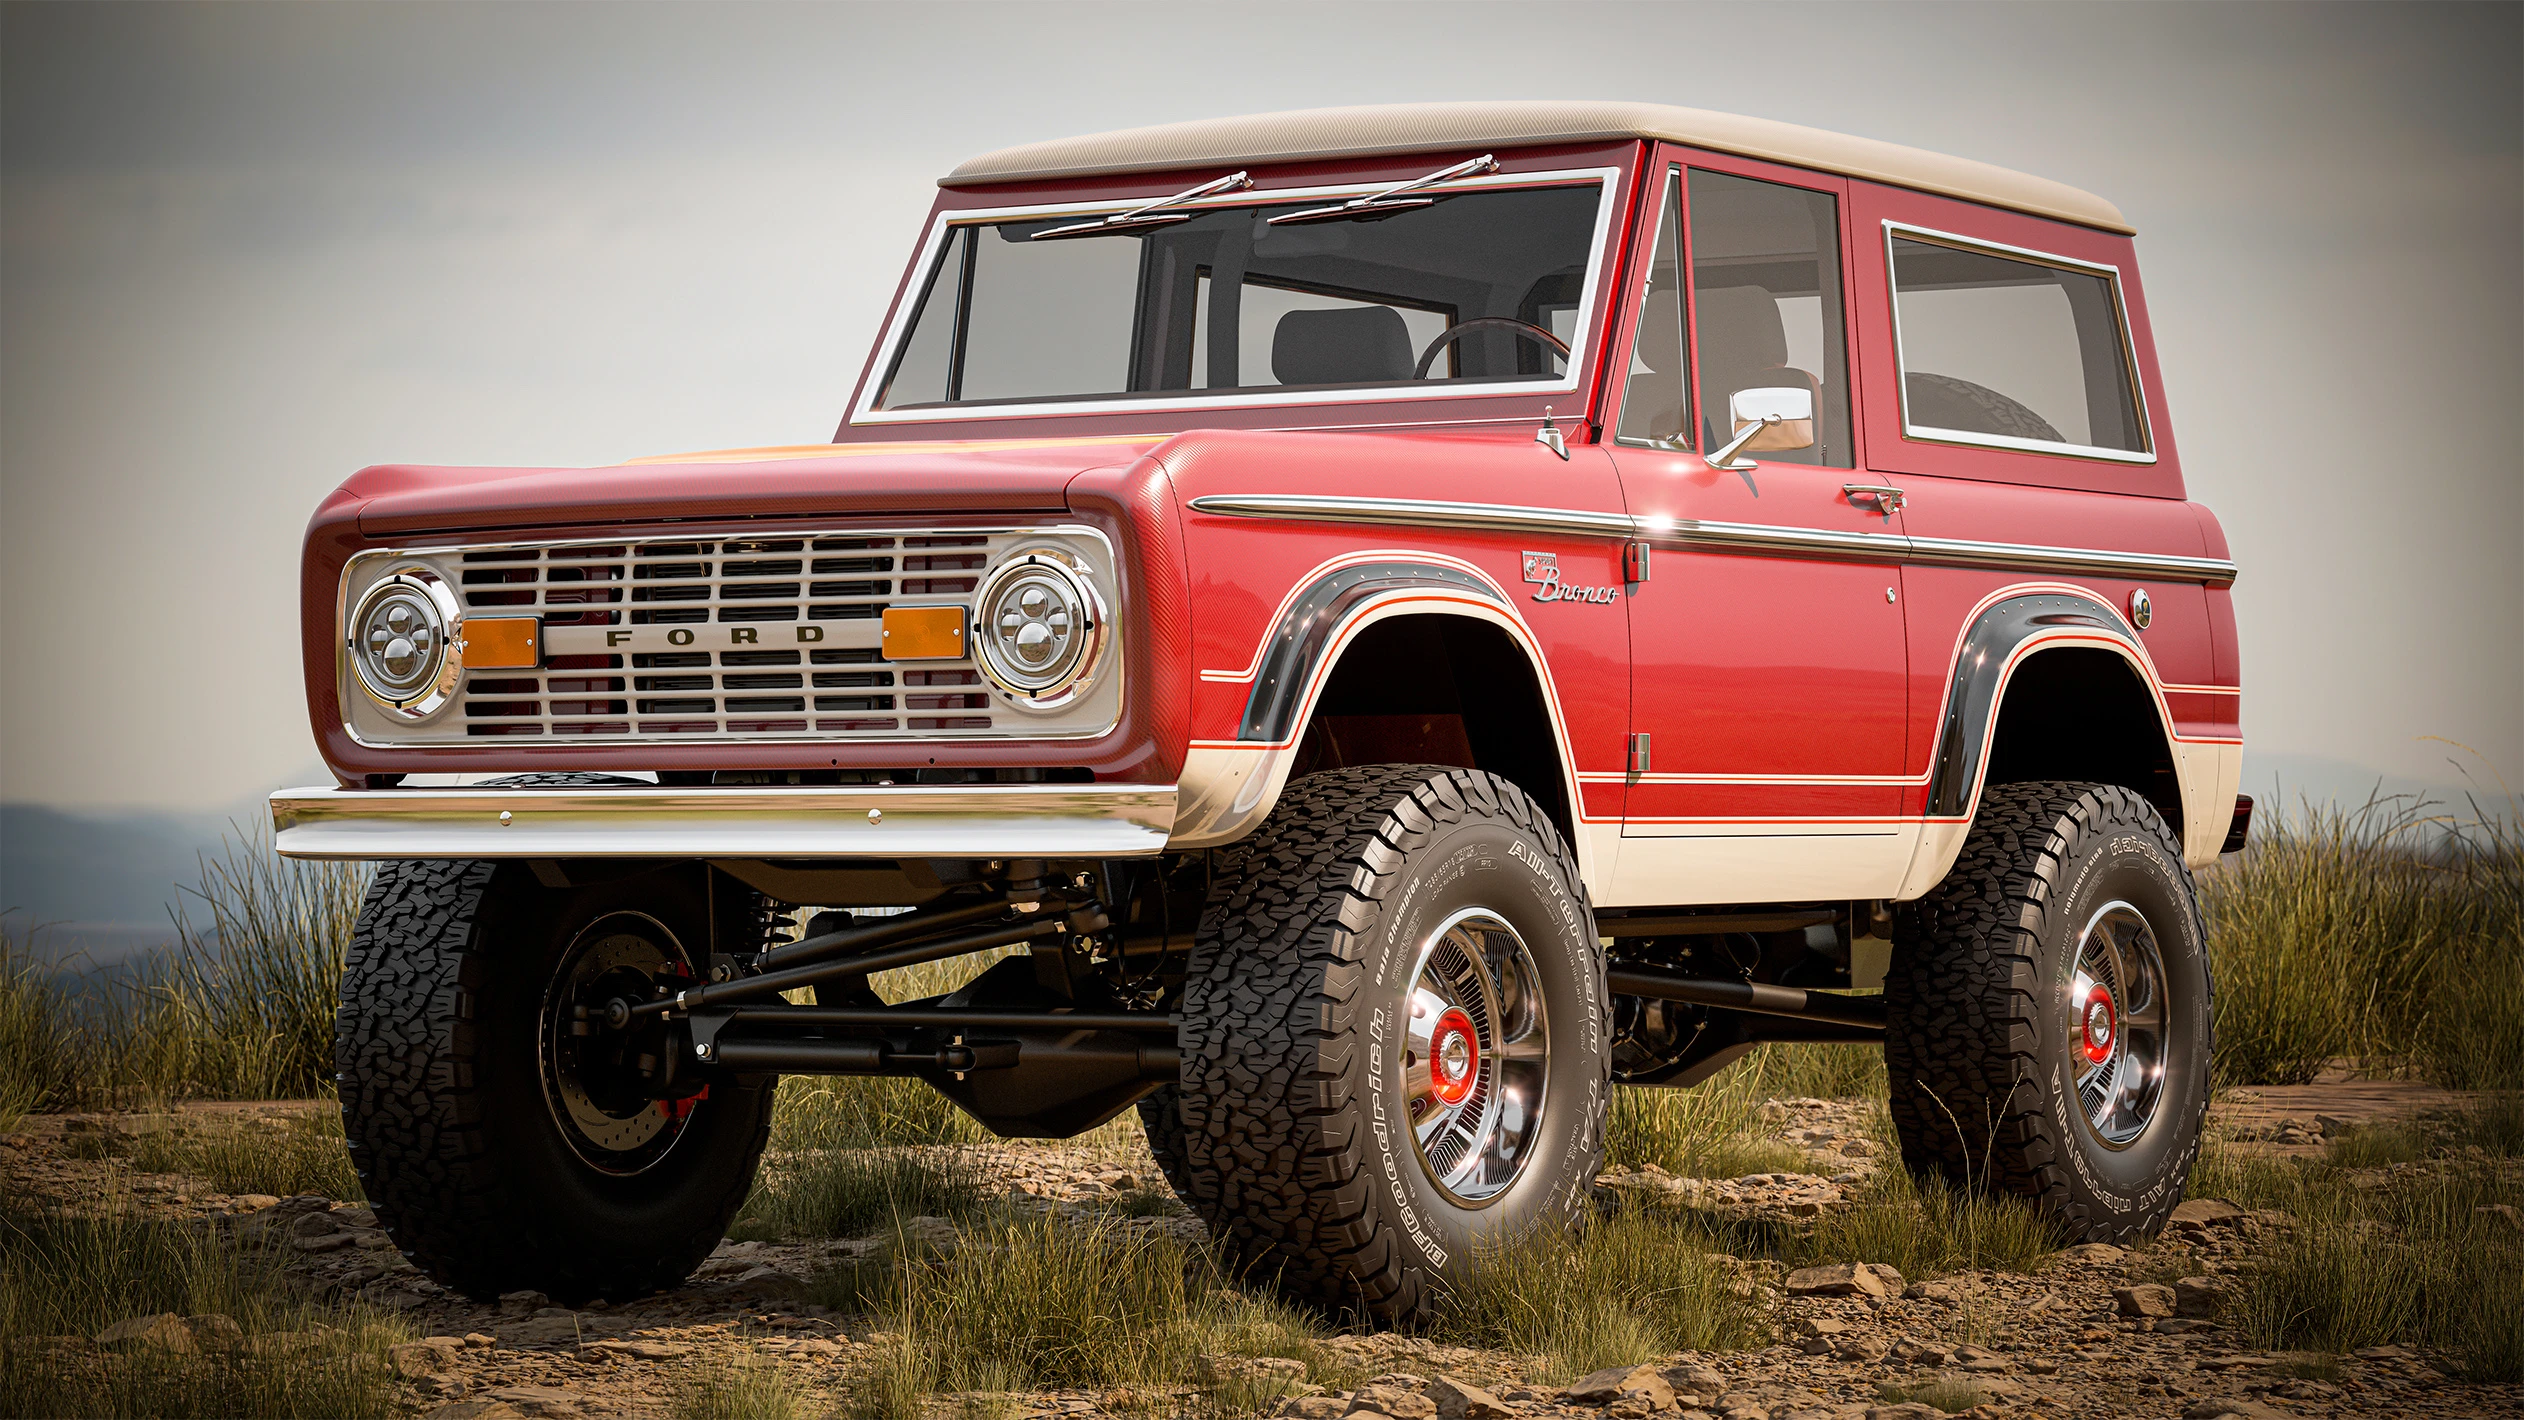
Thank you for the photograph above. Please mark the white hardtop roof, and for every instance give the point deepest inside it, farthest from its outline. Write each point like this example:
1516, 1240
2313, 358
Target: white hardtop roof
1305, 135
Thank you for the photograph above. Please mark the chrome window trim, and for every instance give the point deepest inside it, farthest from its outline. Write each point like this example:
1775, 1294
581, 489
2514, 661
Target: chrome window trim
1638, 297
2129, 350
1111, 656
898, 322
644, 820
1752, 538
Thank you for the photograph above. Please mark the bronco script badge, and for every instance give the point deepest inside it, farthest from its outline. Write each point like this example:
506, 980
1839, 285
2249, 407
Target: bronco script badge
1543, 570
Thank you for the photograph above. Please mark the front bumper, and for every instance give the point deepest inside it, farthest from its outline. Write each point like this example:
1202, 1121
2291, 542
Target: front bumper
646, 821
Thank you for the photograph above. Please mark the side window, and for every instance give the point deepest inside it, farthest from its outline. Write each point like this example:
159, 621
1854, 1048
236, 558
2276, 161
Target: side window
1656, 399
1766, 298
2013, 352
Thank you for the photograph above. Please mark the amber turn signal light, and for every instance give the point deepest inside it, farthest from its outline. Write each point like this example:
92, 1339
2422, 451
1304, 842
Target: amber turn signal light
924, 633
504, 643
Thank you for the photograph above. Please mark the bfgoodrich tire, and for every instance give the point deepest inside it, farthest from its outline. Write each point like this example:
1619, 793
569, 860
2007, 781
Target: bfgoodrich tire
1393, 1039
496, 1157
2049, 1009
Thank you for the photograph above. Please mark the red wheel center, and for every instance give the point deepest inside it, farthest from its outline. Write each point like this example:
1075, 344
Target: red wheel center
2095, 1021
1454, 1057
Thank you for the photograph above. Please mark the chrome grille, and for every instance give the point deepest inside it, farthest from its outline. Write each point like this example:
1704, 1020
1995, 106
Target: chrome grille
839, 583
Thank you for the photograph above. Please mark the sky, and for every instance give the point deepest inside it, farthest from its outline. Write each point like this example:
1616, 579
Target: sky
246, 250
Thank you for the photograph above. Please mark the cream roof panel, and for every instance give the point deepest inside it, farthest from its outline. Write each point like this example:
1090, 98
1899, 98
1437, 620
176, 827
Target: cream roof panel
1325, 133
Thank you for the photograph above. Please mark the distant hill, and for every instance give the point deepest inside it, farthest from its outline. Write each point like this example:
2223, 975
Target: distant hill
102, 884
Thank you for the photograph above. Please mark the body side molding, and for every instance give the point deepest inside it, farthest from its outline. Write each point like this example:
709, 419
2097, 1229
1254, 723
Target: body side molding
1756, 539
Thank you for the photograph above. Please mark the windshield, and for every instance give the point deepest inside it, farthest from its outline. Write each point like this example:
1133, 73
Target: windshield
1328, 305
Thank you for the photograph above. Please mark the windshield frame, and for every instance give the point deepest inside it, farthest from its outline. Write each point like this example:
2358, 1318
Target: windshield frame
1611, 185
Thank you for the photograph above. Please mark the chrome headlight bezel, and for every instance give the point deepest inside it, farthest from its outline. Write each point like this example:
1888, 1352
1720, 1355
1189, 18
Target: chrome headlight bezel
1068, 581
433, 687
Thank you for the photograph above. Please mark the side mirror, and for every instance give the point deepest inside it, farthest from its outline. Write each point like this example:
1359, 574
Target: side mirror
1767, 420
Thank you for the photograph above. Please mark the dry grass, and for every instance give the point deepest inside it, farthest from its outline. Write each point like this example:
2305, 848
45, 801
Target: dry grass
747, 1387
2393, 933
1715, 1129
849, 1193
283, 1155
71, 1277
1637, 1284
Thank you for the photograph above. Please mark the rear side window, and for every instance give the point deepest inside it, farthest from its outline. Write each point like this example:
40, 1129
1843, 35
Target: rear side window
2014, 350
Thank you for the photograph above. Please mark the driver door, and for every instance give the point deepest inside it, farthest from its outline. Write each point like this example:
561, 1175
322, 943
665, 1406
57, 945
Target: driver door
1768, 661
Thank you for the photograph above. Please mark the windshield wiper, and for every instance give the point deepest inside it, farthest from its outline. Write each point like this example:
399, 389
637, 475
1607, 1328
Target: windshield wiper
1391, 200
1152, 215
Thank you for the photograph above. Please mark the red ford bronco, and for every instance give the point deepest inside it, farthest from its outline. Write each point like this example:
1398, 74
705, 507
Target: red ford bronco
1386, 624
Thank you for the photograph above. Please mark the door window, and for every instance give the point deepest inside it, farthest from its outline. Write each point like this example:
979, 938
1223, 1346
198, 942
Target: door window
1766, 301
1656, 399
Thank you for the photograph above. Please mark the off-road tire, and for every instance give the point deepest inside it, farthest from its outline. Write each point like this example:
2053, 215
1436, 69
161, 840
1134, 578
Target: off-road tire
1161, 1116
1296, 1149
443, 1106
1979, 1053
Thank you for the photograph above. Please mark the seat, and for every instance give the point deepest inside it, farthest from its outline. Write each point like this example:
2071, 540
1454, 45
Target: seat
1743, 346
1346, 345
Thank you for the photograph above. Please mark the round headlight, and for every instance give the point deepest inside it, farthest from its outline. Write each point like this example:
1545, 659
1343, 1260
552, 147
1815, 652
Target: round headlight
1039, 626
400, 642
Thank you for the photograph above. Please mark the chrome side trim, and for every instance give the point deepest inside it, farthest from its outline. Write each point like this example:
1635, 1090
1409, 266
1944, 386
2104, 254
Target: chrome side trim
1753, 538
1420, 513
643, 821
2025, 557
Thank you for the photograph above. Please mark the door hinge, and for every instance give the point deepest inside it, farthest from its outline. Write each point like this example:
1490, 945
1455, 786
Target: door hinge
1639, 753
1634, 562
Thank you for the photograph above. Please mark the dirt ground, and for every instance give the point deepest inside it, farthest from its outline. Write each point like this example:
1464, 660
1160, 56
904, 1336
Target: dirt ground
2094, 1333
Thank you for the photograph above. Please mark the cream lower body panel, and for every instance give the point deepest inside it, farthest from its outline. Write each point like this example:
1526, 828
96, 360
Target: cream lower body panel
1679, 865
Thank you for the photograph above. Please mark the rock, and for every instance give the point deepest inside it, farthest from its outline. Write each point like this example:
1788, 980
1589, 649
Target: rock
2197, 1296
476, 1410
928, 1234
2149, 1299
1922, 1353
772, 1284
813, 1347
2218, 1406
1845, 1279
427, 1357
546, 1402
1616, 1382
1257, 1371
2091, 1254
1700, 1380
354, 1215
1863, 1350
1857, 1149
163, 1332
480, 1340
2500, 1213
524, 1301
1313, 1407
2042, 1366
1909, 1410
1461, 1400
1395, 1401
254, 1202
314, 1225
546, 1328
214, 1331
2204, 1213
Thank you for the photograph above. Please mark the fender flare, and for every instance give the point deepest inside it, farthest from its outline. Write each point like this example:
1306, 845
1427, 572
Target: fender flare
2009, 628
1229, 787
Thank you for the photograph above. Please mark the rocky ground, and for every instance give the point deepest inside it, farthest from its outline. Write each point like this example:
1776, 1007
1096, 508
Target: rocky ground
2098, 1331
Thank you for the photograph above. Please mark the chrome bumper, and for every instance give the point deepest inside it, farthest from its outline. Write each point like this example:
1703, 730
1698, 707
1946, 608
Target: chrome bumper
644, 821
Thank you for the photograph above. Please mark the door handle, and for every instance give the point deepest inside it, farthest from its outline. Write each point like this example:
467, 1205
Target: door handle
1888, 501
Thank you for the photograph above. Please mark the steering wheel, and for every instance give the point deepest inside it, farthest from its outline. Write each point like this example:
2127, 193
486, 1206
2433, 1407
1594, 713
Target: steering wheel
1525, 329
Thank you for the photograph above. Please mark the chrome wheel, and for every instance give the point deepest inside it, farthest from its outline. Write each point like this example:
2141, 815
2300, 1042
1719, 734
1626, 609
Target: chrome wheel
2117, 1023
595, 1083
1476, 1056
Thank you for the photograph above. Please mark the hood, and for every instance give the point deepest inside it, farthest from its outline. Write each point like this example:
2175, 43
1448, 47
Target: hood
1001, 475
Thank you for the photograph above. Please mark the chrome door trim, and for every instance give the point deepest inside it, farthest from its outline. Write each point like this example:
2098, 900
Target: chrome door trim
647, 821
1759, 539
1422, 513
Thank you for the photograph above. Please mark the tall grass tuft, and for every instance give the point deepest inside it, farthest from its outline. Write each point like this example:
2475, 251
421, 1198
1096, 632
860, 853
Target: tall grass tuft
848, 1193
69, 1277
301, 1153
1715, 1129
1637, 1284
40, 1044
2388, 933
750, 1387
1036, 1301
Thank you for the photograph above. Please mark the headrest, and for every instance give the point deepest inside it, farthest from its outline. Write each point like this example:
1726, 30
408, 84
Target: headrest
1350, 345
1740, 328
